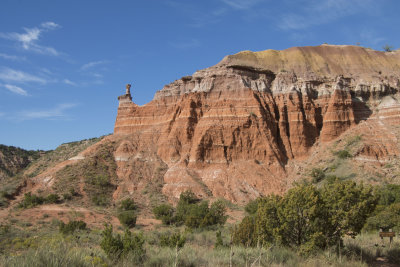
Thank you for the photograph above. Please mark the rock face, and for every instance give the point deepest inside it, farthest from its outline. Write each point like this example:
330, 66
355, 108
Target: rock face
231, 130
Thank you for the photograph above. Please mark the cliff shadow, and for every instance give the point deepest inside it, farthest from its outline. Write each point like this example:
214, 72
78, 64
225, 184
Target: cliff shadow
361, 110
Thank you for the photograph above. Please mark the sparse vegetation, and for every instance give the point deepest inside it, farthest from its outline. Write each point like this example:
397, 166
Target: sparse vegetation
192, 212
343, 154
31, 200
71, 227
116, 246
387, 48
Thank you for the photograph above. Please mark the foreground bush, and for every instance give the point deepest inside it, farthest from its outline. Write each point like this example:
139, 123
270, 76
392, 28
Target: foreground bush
308, 218
175, 240
71, 227
116, 247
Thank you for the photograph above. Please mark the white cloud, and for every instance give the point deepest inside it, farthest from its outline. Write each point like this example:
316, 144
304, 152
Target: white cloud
92, 64
241, 4
50, 25
55, 113
11, 75
16, 89
29, 39
12, 57
69, 82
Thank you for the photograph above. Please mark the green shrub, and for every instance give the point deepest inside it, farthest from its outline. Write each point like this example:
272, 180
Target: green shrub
53, 199
67, 196
71, 226
31, 200
308, 218
388, 218
251, 207
215, 215
100, 200
127, 218
219, 243
110, 243
172, 240
245, 233
165, 213
317, 175
99, 180
388, 48
127, 204
116, 247
192, 212
343, 154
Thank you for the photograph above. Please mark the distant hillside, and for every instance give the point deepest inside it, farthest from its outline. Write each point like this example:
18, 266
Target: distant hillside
14, 159
61, 153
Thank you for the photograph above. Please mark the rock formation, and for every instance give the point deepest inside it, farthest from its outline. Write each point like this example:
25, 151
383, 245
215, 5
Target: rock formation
231, 130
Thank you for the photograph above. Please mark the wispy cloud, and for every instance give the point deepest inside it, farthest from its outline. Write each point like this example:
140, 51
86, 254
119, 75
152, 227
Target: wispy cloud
316, 12
198, 17
241, 4
16, 90
29, 39
93, 64
12, 57
50, 25
191, 43
69, 82
55, 113
11, 75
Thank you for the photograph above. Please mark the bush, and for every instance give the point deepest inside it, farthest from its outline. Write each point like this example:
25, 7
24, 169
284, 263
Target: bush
165, 213
127, 218
245, 233
317, 175
127, 204
251, 207
71, 226
31, 200
388, 48
172, 240
219, 243
115, 246
308, 218
100, 200
191, 212
53, 199
388, 218
343, 154
215, 215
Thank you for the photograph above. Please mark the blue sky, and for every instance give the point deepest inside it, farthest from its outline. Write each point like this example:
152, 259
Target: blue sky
64, 63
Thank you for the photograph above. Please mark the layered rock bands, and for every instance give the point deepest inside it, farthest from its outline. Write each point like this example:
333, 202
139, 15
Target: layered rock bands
230, 130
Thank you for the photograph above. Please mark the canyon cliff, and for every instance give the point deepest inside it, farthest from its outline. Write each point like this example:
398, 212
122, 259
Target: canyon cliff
246, 126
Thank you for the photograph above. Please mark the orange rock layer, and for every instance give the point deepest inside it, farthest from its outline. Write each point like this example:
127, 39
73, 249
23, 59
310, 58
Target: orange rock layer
230, 130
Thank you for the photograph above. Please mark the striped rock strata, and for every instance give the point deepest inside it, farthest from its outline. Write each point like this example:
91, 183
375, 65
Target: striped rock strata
230, 130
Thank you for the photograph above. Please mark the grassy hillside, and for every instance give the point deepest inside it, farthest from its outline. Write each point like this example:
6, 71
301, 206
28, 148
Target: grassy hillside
18, 165
14, 159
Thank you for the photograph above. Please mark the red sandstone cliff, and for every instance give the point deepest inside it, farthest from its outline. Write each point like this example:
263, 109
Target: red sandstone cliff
231, 130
